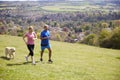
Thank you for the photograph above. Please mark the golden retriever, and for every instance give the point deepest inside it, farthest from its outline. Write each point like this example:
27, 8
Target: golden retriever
10, 52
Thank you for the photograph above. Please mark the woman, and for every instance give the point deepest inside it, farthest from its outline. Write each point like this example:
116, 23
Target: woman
31, 36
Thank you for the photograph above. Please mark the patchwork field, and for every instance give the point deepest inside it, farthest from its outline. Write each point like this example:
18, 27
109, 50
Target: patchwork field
60, 6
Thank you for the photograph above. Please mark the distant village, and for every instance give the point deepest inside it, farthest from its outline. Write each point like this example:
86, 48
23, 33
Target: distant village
57, 33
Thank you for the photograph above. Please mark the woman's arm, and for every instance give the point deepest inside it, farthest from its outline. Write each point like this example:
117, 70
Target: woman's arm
24, 36
35, 36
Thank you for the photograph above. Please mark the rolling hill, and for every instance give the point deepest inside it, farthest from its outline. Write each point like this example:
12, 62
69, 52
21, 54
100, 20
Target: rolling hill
71, 62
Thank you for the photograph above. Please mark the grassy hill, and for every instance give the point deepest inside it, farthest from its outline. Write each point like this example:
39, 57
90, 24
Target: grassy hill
71, 62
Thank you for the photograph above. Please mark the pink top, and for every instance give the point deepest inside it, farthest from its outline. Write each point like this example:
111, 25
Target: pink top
30, 37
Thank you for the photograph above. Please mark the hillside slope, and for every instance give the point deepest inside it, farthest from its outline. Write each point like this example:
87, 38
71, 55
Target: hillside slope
71, 62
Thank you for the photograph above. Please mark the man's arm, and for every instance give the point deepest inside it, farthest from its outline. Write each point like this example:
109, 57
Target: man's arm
42, 38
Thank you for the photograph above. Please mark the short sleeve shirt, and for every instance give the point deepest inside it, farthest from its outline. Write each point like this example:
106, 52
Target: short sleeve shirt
43, 34
30, 37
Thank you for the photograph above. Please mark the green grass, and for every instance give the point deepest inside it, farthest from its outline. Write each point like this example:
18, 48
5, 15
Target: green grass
71, 62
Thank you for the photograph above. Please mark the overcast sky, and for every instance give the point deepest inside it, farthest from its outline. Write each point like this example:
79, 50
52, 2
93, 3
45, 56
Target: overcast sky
18, 0
47, 0
36, 0
23, 0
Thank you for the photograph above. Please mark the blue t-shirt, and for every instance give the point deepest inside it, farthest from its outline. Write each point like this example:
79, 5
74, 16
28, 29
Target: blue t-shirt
43, 34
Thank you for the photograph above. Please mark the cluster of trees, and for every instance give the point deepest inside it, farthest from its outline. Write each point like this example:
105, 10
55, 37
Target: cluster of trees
106, 38
99, 32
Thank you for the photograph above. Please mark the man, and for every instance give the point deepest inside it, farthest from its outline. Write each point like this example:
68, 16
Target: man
45, 37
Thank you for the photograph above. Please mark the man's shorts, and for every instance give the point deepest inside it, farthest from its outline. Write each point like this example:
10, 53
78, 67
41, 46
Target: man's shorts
44, 47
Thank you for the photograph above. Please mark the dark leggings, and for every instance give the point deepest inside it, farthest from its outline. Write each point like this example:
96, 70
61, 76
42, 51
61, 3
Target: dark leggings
31, 49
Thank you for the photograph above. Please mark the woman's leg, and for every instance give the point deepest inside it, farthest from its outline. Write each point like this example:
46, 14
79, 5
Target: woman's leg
32, 54
26, 57
31, 49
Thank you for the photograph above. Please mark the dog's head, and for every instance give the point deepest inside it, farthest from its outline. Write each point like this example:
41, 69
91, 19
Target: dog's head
12, 49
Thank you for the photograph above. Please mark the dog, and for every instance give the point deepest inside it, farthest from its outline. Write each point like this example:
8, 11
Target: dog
10, 52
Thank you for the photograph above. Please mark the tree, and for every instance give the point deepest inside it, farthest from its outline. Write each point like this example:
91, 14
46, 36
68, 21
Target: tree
90, 39
117, 23
105, 25
115, 39
104, 38
110, 24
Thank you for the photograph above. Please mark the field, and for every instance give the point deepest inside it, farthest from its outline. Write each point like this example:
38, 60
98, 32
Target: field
71, 62
68, 6
80, 6
65, 8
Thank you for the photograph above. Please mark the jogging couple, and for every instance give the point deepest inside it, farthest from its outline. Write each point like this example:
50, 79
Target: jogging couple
31, 37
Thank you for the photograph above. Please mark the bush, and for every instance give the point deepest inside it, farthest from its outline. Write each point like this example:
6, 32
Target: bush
90, 39
58, 37
115, 38
38, 35
110, 40
103, 38
20, 33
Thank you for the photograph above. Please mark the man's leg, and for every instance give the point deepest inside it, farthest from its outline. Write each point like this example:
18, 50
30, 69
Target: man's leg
50, 54
41, 59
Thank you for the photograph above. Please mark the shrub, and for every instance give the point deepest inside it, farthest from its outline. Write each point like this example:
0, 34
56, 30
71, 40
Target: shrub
38, 35
20, 34
104, 37
115, 38
90, 39
58, 37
